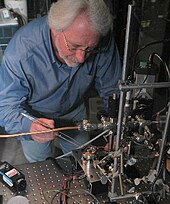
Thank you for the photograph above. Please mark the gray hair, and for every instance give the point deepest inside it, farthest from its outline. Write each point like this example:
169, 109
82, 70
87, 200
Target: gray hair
63, 12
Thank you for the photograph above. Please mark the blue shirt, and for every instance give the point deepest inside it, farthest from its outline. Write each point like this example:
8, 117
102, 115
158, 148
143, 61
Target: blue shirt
31, 75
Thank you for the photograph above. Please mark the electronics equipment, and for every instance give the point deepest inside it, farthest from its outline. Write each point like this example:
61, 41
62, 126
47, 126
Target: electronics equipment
88, 159
12, 178
134, 166
19, 6
8, 26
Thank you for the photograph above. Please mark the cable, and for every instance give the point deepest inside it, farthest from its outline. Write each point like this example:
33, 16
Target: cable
21, 20
70, 138
90, 194
163, 62
143, 47
85, 144
64, 192
34, 120
162, 110
39, 132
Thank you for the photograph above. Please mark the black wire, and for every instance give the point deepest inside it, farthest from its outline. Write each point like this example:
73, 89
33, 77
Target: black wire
62, 170
151, 58
142, 48
54, 197
21, 20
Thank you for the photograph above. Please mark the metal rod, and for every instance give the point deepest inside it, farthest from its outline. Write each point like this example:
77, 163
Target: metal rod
85, 144
122, 95
123, 87
164, 140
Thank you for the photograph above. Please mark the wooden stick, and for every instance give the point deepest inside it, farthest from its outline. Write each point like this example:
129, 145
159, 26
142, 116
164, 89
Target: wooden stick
40, 132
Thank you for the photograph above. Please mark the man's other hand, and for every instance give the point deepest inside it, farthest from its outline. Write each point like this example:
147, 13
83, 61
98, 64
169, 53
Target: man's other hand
37, 126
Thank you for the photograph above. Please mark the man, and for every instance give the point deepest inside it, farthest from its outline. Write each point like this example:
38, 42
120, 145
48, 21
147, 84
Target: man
49, 66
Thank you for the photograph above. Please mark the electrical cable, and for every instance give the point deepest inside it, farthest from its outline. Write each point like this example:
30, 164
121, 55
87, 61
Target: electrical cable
143, 47
64, 192
90, 194
163, 62
162, 110
39, 132
21, 20
85, 144
35, 120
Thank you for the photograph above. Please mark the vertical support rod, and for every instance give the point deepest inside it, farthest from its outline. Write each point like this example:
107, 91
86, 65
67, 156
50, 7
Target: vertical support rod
164, 140
122, 95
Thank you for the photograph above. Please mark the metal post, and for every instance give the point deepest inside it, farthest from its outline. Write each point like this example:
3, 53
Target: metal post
122, 98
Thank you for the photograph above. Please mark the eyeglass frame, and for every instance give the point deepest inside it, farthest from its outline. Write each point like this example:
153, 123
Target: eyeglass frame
93, 51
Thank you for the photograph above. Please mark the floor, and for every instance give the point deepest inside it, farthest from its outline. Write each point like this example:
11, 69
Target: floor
11, 151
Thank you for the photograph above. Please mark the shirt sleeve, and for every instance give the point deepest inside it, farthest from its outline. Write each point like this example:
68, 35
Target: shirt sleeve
13, 94
109, 70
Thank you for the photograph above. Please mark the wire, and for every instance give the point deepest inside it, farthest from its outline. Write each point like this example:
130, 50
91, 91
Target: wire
71, 197
21, 20
163, 62
70, 138
34, 120
39, 132
64, 201
43, 192
90, 194
143, 47
85, 144
64, 192
63, 138
162, 110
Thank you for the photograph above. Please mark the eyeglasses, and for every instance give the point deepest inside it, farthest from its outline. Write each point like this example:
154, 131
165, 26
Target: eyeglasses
87, 50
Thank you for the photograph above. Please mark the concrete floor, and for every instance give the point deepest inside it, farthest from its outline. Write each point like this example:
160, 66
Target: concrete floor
11, 151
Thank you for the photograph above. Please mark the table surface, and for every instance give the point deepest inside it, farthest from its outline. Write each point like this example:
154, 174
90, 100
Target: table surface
45, 182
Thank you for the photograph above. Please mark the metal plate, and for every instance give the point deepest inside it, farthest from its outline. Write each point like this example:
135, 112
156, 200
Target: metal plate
44, 184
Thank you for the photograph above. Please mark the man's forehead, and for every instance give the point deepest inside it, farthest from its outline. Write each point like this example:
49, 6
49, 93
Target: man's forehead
82, 25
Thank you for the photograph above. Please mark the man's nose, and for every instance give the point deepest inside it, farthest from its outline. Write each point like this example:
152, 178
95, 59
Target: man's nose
81, 56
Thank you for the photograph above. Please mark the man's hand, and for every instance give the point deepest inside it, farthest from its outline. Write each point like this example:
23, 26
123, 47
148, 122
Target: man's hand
36, 127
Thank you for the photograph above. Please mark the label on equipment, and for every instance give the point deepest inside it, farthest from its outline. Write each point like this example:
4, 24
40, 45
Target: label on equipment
11, 173
8, 181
